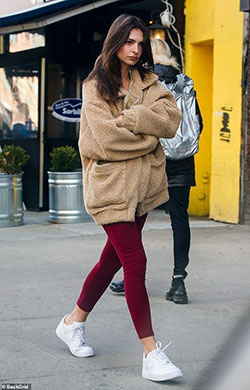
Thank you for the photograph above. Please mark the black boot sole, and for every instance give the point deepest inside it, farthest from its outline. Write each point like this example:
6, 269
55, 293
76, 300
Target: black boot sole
180, 301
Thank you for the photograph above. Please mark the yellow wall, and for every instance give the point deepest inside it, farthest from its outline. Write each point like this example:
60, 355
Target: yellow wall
202, 65
213, 43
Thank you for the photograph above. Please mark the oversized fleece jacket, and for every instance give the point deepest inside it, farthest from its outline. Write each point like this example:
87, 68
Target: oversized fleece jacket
124, 164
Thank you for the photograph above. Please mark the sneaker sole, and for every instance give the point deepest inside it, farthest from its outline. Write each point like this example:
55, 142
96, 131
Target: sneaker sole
118, 292
61, 337
161, 378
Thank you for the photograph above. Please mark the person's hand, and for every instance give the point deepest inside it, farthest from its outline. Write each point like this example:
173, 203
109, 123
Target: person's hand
120, 119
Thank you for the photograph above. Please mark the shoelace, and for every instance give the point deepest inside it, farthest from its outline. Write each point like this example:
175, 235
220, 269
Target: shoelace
79, 335
159, 354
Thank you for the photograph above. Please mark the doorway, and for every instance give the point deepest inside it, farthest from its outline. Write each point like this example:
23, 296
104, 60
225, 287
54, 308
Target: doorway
202, 74
63, 81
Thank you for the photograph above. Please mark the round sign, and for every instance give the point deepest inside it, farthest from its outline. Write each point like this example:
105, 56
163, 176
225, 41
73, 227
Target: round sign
68, 110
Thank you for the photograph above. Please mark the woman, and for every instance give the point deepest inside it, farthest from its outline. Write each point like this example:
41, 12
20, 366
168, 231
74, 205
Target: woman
181, 176
125, 111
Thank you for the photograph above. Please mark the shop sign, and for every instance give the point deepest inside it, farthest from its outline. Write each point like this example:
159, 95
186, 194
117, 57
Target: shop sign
68, 110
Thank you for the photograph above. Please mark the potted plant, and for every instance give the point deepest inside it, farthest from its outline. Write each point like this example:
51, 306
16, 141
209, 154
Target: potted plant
65, 186
12, 160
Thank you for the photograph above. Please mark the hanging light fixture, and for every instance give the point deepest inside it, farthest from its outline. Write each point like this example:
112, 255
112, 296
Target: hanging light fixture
162, 23
156, 29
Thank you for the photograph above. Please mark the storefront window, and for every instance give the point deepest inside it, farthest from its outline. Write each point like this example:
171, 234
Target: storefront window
25, 41
62, 83
19, 102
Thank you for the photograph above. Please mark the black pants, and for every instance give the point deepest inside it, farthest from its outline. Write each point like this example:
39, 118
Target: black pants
177, 206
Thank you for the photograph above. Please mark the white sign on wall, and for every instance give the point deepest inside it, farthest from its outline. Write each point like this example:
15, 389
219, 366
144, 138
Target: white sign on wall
12, 7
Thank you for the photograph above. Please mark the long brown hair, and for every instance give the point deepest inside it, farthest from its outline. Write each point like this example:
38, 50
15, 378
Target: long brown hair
107, 68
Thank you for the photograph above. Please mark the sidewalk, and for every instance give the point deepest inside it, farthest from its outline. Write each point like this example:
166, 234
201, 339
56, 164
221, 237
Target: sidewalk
42, 268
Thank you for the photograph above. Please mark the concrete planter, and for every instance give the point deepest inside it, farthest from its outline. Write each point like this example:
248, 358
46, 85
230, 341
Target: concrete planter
66, 197
11, 200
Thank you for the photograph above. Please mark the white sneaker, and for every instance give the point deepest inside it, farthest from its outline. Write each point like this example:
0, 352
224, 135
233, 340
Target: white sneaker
157, 366
74, 336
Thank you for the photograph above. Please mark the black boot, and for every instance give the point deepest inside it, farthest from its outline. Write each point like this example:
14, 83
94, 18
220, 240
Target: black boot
170, 294
177, 292
117, 287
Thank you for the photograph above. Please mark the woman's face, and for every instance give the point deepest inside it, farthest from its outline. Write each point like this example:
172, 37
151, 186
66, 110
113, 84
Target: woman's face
131, 51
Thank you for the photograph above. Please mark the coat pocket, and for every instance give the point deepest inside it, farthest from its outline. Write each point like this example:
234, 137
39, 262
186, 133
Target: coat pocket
106, 184
157, 178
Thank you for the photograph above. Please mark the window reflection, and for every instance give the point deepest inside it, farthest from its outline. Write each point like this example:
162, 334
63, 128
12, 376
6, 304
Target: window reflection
25, 41
18, 103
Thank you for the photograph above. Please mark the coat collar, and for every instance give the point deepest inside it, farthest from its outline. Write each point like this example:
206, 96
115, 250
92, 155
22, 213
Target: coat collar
150, 79
137, 83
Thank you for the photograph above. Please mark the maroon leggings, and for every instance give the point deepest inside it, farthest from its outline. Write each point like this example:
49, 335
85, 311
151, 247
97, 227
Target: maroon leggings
123, 248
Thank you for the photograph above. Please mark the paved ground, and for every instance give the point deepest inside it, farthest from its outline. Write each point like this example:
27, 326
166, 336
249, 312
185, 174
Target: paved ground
42, 267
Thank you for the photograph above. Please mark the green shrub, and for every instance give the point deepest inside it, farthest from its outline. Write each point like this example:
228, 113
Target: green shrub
13, 159
65, 159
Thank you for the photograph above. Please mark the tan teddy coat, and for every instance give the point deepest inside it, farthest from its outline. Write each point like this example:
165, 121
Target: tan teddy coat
124, 165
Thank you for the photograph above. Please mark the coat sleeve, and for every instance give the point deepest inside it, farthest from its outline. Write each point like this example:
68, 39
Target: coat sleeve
100, 136
158, 115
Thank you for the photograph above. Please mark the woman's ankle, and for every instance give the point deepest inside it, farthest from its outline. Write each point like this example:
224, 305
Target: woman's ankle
149, 344
77, 315
69, 320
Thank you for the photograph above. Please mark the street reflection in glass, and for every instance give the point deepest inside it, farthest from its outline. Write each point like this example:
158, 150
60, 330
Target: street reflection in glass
25, 41
18, 103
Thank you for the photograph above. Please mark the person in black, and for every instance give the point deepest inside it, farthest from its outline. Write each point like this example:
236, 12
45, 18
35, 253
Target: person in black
181, 177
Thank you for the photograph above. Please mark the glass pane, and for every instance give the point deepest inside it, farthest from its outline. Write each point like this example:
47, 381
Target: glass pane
61, 84
25, 41
19, 102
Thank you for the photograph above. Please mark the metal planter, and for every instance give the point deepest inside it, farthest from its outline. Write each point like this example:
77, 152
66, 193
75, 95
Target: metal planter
66, 197
11, 200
